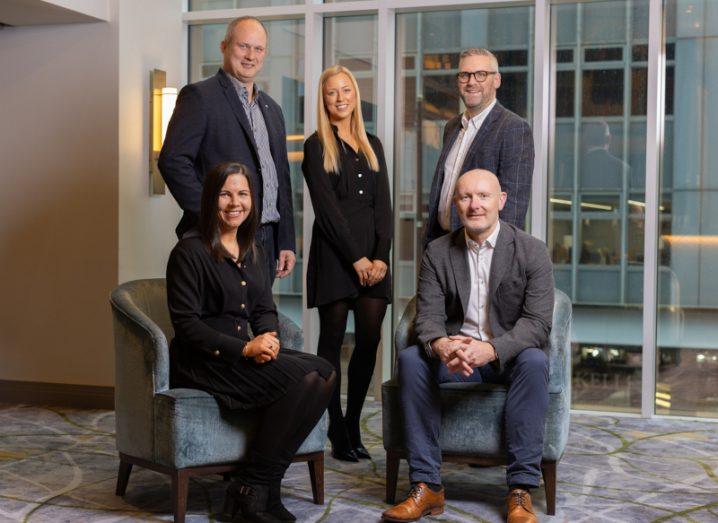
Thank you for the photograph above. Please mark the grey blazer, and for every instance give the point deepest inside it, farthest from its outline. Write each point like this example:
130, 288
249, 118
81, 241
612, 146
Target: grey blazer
521, 290
505, 146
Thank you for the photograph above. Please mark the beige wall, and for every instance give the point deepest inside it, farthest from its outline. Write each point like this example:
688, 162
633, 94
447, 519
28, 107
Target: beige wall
58, 201
150, 38
74, 204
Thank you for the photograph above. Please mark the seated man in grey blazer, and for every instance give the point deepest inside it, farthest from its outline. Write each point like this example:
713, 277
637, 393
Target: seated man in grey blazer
484, 310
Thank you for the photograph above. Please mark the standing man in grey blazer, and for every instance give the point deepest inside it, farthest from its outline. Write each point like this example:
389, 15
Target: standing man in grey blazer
486, 136
227, 118
484, 311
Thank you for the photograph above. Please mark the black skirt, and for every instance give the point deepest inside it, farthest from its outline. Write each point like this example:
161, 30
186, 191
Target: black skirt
246, 384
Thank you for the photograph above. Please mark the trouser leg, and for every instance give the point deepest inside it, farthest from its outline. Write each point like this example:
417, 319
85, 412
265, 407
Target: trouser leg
265, 237
421, 406
525, 416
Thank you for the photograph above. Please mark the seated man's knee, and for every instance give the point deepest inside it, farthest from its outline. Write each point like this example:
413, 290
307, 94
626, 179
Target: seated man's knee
410, 360
532, 360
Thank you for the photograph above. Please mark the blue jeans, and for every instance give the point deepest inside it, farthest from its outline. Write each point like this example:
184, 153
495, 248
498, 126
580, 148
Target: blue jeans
524, 412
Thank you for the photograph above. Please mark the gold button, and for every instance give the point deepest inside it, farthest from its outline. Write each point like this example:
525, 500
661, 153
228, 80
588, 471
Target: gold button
242, 305
239, 327
216, 353
244, 282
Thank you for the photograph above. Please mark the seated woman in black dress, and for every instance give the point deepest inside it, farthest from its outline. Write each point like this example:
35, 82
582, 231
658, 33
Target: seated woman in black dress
216, 289
345, 171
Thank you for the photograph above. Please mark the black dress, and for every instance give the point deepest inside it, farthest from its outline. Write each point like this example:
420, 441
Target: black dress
211, 304
353, 219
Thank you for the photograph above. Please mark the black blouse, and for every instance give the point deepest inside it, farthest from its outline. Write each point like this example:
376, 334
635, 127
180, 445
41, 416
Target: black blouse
211, 302
353, 219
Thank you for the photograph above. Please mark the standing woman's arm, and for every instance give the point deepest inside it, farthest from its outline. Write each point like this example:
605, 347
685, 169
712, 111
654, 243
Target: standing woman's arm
383, 217
327, 213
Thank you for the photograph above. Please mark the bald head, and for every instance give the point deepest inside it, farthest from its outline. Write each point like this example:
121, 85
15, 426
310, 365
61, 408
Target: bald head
478, 199
479, 174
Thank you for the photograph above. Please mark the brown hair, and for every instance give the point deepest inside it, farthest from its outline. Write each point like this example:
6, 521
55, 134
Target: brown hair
209, 223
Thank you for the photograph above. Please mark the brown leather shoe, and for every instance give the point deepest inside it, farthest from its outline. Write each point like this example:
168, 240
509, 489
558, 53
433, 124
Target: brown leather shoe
519, 507
422, 501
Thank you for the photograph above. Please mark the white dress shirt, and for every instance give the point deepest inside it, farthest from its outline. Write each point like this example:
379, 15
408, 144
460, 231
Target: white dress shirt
454, 161
476, 318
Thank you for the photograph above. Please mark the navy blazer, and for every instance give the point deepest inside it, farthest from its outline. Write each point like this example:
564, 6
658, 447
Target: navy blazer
209, 126
504, 145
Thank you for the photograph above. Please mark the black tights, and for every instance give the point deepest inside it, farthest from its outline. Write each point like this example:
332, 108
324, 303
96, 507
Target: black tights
284, 425
368, 316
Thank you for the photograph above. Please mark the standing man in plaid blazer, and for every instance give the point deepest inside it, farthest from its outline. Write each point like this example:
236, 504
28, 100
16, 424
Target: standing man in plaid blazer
486, 136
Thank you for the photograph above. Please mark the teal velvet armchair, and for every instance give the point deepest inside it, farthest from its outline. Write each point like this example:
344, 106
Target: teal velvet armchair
180, 432
472, 419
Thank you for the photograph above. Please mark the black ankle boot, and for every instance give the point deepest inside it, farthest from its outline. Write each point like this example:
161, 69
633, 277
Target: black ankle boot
341, 446
275, 506
248, 503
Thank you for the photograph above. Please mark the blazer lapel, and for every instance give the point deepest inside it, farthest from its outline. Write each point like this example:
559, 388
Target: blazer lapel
481, 136
503, 253
462, 276
232, 97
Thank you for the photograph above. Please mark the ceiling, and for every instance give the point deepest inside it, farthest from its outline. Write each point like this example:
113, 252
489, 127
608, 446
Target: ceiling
45, 12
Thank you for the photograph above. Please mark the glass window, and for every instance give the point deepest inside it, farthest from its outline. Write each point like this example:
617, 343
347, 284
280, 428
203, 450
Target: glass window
282, 76
351, 41
595, 224
687, 380
427, 59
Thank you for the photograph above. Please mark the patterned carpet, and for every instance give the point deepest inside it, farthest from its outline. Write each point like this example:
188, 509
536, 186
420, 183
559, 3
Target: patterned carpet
60, 465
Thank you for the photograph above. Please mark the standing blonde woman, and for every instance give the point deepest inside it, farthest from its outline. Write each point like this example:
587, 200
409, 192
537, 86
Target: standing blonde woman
348, 266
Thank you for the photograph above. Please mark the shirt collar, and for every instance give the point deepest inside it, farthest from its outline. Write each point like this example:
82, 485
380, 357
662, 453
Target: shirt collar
488, 242
479, 118
242, 89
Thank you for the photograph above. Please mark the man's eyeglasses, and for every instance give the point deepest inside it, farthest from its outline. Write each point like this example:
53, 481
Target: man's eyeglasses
479, 76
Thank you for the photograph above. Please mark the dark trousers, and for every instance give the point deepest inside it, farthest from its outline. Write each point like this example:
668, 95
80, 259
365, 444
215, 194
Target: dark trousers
266, 238
524, 413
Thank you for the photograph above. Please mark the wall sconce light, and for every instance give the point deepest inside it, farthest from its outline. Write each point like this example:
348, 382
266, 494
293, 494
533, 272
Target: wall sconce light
162, 103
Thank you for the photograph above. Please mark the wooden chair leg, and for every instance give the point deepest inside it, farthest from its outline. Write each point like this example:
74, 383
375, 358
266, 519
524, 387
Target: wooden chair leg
548, 469
316, 476
392, 475
180, 484
123, 476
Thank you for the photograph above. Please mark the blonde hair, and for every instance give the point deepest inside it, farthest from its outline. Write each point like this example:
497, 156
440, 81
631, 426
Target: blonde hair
324, 126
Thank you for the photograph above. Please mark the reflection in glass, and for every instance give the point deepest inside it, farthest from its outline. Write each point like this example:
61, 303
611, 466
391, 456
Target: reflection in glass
282, 77
595, 226
687, 380
351, 41
427, 58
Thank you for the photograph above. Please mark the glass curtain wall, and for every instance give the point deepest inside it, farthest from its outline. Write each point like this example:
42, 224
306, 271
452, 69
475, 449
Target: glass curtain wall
282, 77
427, 60
597, 192
596, 165
687, 380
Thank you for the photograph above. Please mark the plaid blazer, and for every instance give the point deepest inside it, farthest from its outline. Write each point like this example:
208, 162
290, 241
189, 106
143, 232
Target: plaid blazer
504, 145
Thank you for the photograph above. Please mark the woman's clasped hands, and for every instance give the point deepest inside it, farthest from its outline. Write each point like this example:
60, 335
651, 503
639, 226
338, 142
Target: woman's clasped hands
262, 348
370, 272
